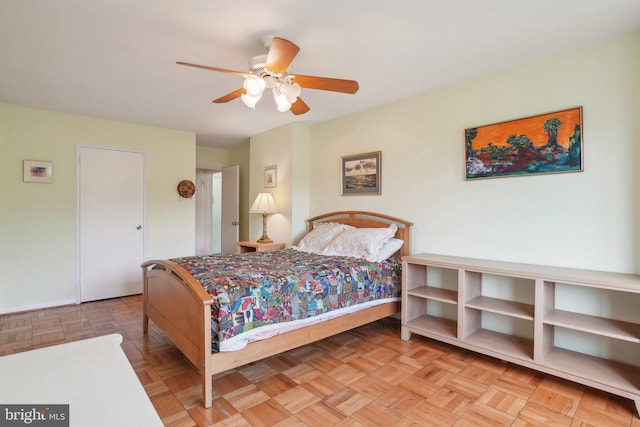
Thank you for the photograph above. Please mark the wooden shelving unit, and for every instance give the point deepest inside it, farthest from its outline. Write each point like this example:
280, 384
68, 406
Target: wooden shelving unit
457, 283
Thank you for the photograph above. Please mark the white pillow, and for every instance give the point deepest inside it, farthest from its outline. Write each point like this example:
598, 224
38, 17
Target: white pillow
322, 233
360, 242
389, 248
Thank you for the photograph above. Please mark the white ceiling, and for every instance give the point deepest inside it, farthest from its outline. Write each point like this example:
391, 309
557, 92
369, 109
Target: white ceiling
115, 59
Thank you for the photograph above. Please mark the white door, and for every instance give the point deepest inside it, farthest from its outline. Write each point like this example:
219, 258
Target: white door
111, 193
230, 219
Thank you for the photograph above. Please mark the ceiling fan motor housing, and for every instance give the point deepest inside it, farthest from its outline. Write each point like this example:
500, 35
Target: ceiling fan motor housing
257, 64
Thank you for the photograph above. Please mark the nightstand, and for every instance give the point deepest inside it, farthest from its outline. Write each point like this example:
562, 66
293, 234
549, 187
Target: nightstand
253, 246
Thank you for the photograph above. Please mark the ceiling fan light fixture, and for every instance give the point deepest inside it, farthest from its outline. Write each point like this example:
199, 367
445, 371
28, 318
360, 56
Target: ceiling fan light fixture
281, 101
291, 91
250, 101
270, 81
254, 86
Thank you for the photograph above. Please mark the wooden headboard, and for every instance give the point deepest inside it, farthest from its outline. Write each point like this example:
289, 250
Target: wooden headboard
361, 219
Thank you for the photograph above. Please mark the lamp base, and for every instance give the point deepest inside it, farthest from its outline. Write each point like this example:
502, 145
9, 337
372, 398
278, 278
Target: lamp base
264, 238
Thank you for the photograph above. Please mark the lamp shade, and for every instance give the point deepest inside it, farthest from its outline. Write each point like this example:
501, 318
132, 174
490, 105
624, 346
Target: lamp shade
281, 102
254, 86
250, 101
264, 204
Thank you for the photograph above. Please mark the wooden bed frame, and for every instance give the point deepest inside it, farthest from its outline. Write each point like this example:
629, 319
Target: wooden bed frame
181, 308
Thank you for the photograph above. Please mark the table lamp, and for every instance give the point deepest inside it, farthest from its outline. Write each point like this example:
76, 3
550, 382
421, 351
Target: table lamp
264, 205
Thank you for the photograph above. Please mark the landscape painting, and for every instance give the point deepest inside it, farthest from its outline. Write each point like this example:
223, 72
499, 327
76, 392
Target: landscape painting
543, 144
361, 174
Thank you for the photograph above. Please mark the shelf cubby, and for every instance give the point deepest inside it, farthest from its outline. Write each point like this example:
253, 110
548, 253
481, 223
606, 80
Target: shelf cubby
437, 294
504, 307
612, 328
608, 375
433, 327
504, 346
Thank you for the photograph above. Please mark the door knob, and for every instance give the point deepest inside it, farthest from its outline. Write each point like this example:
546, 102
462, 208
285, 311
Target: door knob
139, 227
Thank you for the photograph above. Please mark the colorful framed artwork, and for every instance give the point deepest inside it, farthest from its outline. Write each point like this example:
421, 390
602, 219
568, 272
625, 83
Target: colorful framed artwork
542, 144
270, 177
361, 173
37, 171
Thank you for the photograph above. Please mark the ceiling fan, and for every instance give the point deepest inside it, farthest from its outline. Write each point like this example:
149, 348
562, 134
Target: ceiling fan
270, 71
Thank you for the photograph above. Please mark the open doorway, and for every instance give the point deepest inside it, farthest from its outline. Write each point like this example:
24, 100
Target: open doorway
217, 202
208, 211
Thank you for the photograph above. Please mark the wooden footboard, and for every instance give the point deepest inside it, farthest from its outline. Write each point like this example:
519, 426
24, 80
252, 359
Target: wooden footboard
181, 308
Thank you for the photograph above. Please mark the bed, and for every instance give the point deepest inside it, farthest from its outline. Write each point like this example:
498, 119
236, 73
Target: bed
181, 306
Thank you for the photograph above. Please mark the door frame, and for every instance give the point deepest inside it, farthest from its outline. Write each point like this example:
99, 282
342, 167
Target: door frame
79, 146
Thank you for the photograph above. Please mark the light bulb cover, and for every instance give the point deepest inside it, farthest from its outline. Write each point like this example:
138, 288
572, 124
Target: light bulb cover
281, 101
253, 85
250, 101
291, 91
270, 81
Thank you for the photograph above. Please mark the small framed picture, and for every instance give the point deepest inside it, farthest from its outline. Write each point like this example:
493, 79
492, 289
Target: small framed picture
270, 177
361, 174
38, 171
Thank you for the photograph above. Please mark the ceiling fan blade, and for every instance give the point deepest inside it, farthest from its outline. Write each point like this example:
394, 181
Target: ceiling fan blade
230, 96
221, 70
299, 107
281, 55
326, 83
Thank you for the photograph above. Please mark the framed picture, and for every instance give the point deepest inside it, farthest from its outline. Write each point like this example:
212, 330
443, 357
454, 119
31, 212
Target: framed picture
543, 144
37, 171
361, 174
270, 177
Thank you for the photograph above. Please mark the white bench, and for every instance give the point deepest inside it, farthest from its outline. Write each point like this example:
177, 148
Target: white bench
93, 376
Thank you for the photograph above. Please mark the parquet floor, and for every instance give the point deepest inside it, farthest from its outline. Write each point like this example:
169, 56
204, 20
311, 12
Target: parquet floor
365, 377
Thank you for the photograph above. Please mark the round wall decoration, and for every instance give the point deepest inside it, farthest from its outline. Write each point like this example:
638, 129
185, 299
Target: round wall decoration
186, 188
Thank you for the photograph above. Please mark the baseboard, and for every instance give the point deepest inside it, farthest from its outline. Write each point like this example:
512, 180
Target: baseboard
14, 310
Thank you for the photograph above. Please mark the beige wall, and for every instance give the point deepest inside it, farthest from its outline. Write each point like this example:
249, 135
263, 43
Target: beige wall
287, 148
586, 220
299, 182
211, 158
38, 221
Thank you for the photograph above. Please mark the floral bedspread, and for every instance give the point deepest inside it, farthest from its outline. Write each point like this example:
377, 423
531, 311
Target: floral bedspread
261, 288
